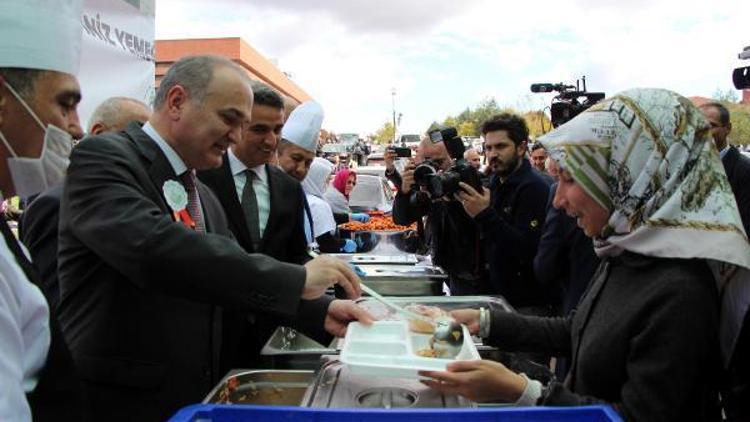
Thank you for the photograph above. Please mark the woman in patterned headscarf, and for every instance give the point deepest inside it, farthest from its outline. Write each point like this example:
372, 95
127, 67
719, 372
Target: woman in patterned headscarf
643, 179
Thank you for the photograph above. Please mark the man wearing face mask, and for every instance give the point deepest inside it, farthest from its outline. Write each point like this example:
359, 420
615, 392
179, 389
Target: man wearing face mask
38, 98
510, 214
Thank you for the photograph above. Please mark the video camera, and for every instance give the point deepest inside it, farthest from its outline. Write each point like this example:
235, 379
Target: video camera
438, 184
570, 101
741, 75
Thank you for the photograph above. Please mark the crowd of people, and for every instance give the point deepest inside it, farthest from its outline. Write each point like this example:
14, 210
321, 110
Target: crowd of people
162, 244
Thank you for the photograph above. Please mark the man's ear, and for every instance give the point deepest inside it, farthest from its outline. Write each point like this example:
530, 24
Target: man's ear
177, 97
97, 128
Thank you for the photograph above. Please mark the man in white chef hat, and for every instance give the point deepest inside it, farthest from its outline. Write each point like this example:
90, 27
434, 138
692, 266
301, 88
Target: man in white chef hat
39, 57
299, 139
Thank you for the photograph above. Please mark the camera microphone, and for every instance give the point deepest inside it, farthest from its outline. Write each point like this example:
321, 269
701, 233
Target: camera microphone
543, 87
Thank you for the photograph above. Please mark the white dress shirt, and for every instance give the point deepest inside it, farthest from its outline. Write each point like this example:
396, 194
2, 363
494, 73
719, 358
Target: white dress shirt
260, 186
24, 336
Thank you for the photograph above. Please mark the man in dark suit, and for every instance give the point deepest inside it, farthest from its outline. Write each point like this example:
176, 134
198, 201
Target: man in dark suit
146, 262
38, 226
736, 165
268, 222
736, 394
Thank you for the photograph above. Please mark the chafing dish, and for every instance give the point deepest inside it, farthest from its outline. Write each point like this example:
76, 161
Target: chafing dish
289, 349
384, 242
368, 259
262, 387
336, 387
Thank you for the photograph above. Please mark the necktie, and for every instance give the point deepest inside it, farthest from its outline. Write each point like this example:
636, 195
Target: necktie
250, 208
194, 202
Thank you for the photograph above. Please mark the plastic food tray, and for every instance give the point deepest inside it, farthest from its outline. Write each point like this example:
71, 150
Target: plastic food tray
389, 349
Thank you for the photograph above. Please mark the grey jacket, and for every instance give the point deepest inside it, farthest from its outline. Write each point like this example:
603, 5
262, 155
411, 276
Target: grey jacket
643, 339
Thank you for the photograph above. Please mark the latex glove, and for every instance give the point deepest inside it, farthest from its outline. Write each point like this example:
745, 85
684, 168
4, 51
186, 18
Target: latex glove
361, 217
349, 247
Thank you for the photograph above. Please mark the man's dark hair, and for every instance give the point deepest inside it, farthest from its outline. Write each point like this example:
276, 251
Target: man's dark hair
536, 146
515, 125
265, 95
194, 73
22, 80
723, 112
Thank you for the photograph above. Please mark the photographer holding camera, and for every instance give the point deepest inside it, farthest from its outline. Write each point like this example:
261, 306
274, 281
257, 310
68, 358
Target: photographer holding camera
427, 190
510, 214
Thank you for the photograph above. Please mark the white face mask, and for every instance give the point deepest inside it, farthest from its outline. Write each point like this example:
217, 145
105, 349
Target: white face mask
34, 175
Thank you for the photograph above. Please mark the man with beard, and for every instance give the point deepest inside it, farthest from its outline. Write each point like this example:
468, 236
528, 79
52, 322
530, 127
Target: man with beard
510, 213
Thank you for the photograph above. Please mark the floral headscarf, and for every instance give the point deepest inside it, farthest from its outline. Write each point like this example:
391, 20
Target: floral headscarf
647, 157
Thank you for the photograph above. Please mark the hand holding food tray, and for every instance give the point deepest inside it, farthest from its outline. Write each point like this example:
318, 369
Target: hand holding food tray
391, 349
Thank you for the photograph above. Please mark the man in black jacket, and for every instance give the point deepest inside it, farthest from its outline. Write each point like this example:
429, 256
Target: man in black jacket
146, 260
737, 167
510, 214
270, 222
453, 236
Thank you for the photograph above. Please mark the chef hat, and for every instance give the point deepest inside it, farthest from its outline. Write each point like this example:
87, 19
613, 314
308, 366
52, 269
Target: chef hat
303, 125
41, 34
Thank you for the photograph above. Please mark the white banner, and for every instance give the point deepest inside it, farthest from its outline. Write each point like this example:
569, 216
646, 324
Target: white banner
117, 57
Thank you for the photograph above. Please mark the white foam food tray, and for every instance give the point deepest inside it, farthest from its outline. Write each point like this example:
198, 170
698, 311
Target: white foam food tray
389, 349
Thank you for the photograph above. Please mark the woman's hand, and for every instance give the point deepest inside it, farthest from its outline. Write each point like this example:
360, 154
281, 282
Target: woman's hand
478, 380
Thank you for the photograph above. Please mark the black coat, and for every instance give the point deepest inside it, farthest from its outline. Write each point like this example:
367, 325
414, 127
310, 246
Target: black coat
284, 236
565, 260
283, 239
737, 167
140, 292
644, 339
38, 231
511, 227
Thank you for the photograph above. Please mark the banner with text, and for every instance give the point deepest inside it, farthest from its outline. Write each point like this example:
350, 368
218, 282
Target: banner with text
117, 57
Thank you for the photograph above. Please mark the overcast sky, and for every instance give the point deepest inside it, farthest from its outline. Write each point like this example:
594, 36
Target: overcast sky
444, 55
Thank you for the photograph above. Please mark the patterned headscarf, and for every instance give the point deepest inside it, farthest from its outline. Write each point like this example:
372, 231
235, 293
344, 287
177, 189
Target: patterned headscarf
647, 157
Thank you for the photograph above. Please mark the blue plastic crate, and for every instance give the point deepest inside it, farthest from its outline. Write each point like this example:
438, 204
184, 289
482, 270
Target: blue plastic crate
224, 413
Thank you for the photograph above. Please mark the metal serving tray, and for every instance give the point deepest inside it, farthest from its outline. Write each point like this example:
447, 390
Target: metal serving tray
336, 386
367, 259
262, 387
289, 349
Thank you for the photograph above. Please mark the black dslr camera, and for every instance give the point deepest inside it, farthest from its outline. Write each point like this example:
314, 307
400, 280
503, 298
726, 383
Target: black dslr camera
741, 75
570, 101
438, 184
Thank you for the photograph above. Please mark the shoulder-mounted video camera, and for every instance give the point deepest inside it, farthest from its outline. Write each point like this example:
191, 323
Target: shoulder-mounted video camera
741, 75
570, 101
438, 184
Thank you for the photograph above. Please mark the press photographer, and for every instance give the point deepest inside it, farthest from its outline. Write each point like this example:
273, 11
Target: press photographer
427, 190
510, 214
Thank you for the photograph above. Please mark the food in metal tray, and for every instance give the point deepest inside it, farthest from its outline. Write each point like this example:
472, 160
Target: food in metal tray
376, 224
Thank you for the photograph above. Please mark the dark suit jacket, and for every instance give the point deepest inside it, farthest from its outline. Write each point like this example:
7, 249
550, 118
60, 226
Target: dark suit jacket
737, 167
565, 260
139, 291
283, 239
38, 231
